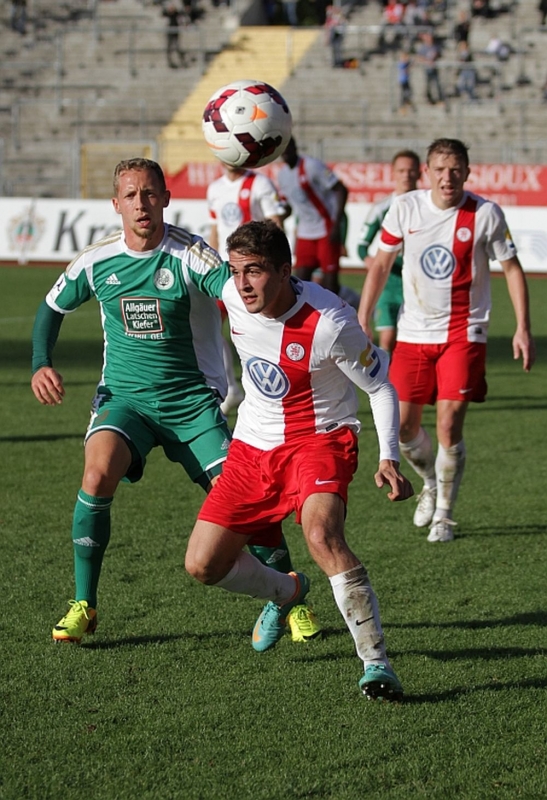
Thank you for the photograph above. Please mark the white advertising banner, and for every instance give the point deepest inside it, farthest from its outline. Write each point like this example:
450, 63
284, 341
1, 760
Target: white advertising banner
46, 230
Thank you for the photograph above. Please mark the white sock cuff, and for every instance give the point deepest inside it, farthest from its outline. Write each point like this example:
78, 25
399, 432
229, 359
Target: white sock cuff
346, 577
229, 576
455, 450
415, 443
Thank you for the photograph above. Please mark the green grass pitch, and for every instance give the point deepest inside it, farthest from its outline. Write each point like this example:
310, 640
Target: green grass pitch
168, 699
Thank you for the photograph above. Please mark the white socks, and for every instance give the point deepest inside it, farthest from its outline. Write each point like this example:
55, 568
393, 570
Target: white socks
250, 576
358, 605
449, 467
419, 454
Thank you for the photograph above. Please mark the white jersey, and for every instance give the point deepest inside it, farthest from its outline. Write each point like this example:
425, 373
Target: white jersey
446, 273
299, 371
252, 196
307, 188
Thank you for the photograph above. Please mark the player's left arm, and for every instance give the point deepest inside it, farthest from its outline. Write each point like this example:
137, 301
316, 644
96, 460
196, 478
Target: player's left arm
206, 269
523, 343
367, 367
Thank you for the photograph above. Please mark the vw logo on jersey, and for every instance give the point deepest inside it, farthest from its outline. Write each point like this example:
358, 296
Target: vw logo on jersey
269, 379
438, 262
231, 215
163, 279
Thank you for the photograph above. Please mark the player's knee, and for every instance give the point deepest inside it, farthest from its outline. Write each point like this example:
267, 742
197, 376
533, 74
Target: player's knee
322, 543
203, 570
98, 482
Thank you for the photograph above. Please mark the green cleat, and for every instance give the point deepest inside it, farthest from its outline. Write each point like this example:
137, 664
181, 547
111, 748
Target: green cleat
79, 620
380, 683
303, 624
272, 622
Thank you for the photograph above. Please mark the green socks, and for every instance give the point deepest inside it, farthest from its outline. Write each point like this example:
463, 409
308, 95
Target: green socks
90, 537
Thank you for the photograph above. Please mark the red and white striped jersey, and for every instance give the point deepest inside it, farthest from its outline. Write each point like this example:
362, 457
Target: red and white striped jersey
446, 273
307, 188
252, 196
299, 371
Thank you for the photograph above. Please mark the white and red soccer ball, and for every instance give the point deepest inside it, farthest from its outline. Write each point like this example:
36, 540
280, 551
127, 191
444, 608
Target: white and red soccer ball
247, 124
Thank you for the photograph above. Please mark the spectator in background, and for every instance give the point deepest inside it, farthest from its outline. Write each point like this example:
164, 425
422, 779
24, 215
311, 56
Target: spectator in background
429, 53
467, 75
542, 8
462, 28
19, 16
290, 10
497, 47
403, 78
175, 56
335, 25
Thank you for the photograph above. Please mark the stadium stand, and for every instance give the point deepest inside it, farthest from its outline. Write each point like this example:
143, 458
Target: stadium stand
89, 83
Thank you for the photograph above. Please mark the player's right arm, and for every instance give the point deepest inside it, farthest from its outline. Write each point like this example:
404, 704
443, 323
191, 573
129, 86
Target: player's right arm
67, 294
46, 383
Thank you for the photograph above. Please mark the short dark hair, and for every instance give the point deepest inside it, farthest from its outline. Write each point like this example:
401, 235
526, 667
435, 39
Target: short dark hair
407, 154
138, 164
261, 239
448, 147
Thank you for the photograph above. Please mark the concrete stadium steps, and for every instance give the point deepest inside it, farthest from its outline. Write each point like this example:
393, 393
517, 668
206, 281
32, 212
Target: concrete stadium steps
264, 53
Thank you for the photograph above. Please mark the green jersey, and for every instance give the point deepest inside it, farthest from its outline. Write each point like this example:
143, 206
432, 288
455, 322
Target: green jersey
371, 228
162, 335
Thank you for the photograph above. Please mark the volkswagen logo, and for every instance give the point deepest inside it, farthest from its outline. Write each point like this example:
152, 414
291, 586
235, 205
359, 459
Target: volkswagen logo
269, 379
438, 262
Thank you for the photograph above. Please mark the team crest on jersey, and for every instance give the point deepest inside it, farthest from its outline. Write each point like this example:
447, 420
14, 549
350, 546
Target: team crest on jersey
438, 262
295, 351
463, 234
163, 279
269, 379
231, 215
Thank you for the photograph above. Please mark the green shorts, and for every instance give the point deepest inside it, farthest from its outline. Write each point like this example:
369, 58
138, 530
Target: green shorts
199, 444
387, 307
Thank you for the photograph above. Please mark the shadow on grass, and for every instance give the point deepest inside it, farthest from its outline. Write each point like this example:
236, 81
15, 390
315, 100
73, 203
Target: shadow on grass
498, 530
500, 348
45, 437
527, 618
462, 691
164, 638
68, 352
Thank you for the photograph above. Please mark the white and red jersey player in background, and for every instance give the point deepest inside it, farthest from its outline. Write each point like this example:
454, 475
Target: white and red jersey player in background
317, 198
295, 443
238, 196
448, 237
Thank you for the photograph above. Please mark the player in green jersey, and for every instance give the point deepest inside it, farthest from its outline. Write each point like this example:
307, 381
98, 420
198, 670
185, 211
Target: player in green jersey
163, 374
405, 170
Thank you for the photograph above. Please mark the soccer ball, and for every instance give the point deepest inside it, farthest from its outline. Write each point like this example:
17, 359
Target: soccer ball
247, 124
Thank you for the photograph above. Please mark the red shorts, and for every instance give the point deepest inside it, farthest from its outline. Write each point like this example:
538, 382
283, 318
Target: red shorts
425, 373
259, 488
318, 253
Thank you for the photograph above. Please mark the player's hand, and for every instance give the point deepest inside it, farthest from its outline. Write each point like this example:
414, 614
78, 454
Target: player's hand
47, 385
524, 345
389, 475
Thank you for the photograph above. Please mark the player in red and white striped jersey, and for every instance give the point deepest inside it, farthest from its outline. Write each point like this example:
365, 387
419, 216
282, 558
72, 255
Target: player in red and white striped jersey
448, 237
318, 198
295, 443
239, 196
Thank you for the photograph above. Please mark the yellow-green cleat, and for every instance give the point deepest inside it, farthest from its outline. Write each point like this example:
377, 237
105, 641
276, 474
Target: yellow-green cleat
304, 624
79, 620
